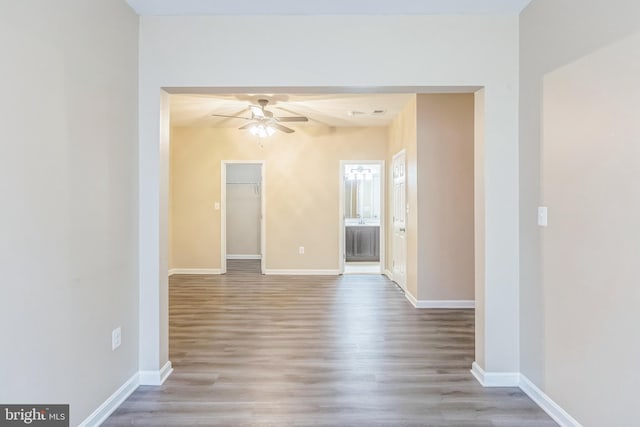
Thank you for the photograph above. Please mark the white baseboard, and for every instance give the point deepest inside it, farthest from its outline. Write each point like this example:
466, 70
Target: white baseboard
244, 256
516, 379
439, 303
194, 271
389, 274
112, 403
495, 379
411, 298
554, 410
303, 272
446, 304
156, 377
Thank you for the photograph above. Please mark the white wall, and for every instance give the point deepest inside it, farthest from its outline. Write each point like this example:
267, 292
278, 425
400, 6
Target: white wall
479, 222
424, 51
579, 133
68, 221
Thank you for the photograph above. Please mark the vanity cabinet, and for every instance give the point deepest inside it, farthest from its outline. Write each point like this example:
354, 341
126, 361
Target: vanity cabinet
362, 243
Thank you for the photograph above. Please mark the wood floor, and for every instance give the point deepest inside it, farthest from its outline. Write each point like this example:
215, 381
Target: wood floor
252, 350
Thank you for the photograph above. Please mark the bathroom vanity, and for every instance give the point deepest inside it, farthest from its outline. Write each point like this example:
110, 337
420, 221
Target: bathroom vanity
362, 242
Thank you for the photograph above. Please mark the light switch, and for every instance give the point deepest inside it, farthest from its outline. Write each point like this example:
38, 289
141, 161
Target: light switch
542, 216
216, 206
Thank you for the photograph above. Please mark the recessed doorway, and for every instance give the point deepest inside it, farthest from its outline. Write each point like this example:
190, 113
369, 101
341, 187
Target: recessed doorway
361, 213
243, 203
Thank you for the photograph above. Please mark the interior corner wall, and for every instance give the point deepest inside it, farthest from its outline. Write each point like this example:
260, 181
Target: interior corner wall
579, 156
445, 205
302, 181
69, 179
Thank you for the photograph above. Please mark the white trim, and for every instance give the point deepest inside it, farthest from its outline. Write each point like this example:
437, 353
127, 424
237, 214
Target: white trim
438, 303
244, 256
223, 217
302, 272
516, 379
462, 303
194, 271
389, 274
156, 377
554, 410
341, 224
495, 379
411, 298
112, 403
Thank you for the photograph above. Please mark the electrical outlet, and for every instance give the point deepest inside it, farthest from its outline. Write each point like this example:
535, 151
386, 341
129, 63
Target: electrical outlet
116, 338
301, 250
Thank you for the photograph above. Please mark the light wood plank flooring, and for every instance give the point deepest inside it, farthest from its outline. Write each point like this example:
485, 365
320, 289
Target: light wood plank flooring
252, 350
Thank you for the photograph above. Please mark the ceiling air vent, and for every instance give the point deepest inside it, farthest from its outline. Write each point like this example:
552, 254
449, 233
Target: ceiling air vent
378, 112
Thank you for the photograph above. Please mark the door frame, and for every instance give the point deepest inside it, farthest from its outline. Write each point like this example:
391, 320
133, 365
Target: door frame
383, 209
223, 212
403, 152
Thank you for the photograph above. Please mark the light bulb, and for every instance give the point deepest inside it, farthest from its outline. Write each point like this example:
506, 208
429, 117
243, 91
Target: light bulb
261, 131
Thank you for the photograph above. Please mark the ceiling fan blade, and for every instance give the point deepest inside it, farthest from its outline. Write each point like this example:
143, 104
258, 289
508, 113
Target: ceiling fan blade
282, 128
247, 126
292, 119
230, 117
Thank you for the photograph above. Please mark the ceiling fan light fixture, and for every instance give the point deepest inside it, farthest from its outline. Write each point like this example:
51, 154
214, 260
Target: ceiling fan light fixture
261, 130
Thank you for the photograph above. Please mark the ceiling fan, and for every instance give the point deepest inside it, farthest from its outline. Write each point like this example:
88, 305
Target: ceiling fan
262, 121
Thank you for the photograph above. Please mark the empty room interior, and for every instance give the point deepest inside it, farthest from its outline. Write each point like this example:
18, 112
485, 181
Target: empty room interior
342, 214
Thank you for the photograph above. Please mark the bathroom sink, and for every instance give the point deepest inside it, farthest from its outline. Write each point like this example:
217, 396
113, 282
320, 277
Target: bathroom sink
365, 224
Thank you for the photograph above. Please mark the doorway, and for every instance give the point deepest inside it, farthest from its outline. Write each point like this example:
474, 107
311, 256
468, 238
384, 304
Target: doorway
362, 217
243, 214
149, 246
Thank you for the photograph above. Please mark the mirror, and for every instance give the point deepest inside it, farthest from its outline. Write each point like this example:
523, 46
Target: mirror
362, 193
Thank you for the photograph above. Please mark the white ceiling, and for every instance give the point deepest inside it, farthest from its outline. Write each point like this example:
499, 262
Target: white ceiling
334, 110
327, 7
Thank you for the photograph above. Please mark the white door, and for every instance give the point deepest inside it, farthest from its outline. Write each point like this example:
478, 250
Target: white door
399, 203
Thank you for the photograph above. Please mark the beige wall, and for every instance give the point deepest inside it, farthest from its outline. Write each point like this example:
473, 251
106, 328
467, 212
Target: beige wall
301, 190
68, 222
437, 132
402, 134
579, 132
445, 159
